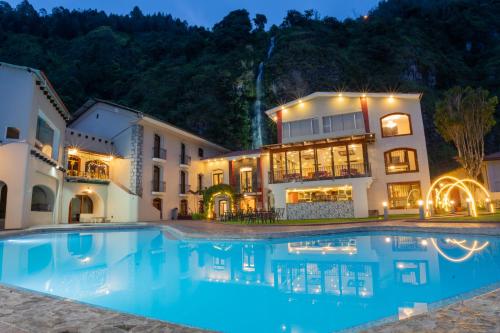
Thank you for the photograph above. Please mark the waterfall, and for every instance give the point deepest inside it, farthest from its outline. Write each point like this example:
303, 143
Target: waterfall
257, 111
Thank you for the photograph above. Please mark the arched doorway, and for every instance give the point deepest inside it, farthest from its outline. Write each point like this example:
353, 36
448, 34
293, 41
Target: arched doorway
3, 204
157, 203
80, 204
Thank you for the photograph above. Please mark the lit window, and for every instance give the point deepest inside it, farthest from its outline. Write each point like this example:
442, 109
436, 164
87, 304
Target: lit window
396, 124
401, 160
217, 177
403, 195
246, 180
12, 133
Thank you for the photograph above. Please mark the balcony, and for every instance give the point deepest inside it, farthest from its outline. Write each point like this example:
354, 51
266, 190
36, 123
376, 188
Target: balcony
87, 176
184, 188
159, 153
353, 170
157, 186
184, 159
246, 188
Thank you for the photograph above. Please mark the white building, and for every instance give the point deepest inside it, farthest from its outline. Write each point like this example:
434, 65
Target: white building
32, 123
136, 167
345, 154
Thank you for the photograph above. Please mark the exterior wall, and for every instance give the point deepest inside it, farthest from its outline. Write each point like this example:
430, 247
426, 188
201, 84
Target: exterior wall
377, 108
320, 210
22, 102
493, 178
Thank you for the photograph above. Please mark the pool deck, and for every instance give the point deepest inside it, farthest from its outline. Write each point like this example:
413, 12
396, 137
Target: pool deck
27, 311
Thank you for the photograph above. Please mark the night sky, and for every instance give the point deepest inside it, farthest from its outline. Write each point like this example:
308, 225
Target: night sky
208, 12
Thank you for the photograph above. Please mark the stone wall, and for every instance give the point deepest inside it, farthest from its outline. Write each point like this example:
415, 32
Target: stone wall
137, 142
320, 210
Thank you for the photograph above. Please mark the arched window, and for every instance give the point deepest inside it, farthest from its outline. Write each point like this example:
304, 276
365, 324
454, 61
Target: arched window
42, 199
74, 163
401, 160
396, 124
97, 169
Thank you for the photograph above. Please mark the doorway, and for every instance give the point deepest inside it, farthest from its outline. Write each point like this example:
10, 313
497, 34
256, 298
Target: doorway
184, 207
80, 204
3, 204
157, 203
223, 207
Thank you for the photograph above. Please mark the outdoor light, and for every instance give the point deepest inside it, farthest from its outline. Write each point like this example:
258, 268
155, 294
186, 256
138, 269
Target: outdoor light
424, 242
387, 239
384, 203
420, 202
391, 99
72, 151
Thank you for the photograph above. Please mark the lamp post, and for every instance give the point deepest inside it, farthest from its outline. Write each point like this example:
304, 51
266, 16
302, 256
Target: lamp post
421, 212
386, 210
468, 207
431, 208
490, 206
452, 203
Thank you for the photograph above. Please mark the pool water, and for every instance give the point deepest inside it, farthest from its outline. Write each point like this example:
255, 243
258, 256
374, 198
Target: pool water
319, 284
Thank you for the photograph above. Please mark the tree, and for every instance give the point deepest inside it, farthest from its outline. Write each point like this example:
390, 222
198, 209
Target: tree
260, 21
464, 116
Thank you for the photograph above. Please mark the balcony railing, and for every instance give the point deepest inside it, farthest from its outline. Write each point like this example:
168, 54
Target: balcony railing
87, 175
354, 170
184, 188
244, 188
160, 153
157, 186
185, 159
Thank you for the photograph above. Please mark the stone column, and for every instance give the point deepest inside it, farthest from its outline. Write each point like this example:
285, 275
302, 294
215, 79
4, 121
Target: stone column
137, 148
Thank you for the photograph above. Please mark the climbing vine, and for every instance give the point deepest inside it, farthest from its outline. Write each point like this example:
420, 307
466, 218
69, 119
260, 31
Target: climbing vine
210, 193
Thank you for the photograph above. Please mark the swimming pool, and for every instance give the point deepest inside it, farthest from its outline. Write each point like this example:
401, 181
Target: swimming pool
307, 284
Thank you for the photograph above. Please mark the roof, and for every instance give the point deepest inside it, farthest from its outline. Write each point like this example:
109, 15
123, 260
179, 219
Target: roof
272, 111
237, 153
492, 157
146, 117
46, 87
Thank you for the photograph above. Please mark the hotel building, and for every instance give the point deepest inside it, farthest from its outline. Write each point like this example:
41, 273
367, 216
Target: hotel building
337, 155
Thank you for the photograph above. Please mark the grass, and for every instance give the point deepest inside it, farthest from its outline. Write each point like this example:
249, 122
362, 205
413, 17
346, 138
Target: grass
481, 218
331, 221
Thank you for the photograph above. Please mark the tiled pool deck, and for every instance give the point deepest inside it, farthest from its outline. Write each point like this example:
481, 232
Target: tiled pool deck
26, 311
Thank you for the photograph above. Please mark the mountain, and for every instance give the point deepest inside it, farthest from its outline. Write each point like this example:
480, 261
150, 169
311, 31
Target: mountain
204, 79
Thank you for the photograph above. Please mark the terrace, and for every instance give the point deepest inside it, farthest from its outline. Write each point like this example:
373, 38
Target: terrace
320, 160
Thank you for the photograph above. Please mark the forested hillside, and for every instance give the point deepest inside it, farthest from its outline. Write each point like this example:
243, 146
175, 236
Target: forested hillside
204, 79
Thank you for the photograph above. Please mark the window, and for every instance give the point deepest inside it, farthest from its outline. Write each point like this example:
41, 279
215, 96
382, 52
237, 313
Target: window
246, 180
200, 182
299, 128
201, 153
74, 163
45, 137
97, 169
42, 199
396, 124
401, 160
12, 133
217, 177
342, 193
403, 195
343, 122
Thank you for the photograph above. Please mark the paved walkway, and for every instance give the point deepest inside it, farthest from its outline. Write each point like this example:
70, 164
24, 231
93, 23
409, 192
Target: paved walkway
206, 229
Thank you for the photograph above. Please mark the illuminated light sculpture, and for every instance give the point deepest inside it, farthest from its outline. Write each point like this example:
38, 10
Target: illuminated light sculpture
442, 197
460, 243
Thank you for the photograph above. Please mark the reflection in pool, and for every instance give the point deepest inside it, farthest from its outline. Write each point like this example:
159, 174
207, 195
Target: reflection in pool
319, 284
